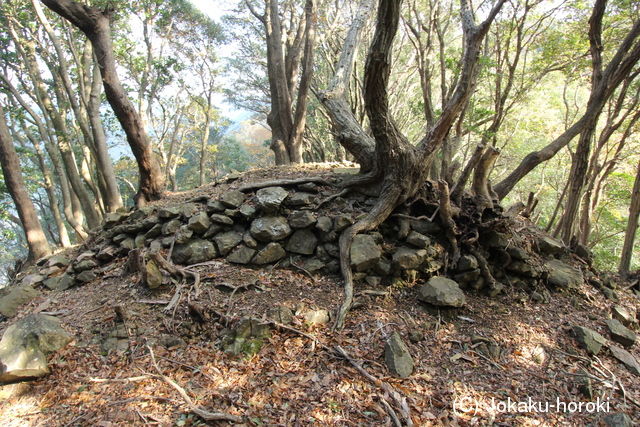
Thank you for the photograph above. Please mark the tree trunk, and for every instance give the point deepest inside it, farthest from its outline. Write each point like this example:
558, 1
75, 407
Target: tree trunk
632, 227
36, 240
94, 23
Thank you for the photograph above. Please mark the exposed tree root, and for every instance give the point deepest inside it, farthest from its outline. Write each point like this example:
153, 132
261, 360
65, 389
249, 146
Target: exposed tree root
381, 210
342, 193
447, 212
264, 184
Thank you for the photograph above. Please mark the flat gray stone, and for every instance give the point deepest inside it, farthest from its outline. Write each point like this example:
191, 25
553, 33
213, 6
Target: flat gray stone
183, 235
221, 219
562, 275
588, 339
364, 253
271, 253
626, 358
442, 292
550, 246
233, 199
301, 198
58, 261
85, 276
155, 231
168, 213
302, 242
87, 264
397, 356
620, 334
425, 227
270, 228
623, 315
242, 255
324, 224
59, 283
32, 280
341, 222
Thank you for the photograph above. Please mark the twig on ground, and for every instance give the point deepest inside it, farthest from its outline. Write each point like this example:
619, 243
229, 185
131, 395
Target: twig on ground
120, 380
206, 415
294, 265
488, 360
391, 392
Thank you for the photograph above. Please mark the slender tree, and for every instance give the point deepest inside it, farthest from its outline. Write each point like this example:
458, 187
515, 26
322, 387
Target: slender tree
36, 239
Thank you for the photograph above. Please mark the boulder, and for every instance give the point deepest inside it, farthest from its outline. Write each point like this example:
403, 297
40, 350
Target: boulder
397, 356
409, 258
113, 218
271, 253
153, 276
365, 252
588, 339
242, 255
302, 242
233, 199
246, 211
188, 209
620, 334
301, 219
324, 224
562, 275
550, 246
194, 252
248, 240
199, 223
214, 206
269, 199
418, 240
626, 358
213, 229
270, 228
26, 344
517, 253
18, 296
227, 241
442, 292
494, 240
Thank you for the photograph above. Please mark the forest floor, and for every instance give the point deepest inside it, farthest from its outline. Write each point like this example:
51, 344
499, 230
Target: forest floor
297, 378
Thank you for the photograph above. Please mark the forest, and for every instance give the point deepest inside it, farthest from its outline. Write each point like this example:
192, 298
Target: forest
528, 103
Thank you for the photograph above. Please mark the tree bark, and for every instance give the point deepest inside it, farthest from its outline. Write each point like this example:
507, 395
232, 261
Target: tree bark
94, 23
36, 239
632, 227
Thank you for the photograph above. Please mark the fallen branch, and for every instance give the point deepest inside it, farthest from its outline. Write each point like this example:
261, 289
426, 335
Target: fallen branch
259, 185
401, 402
120, 380
205, 415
